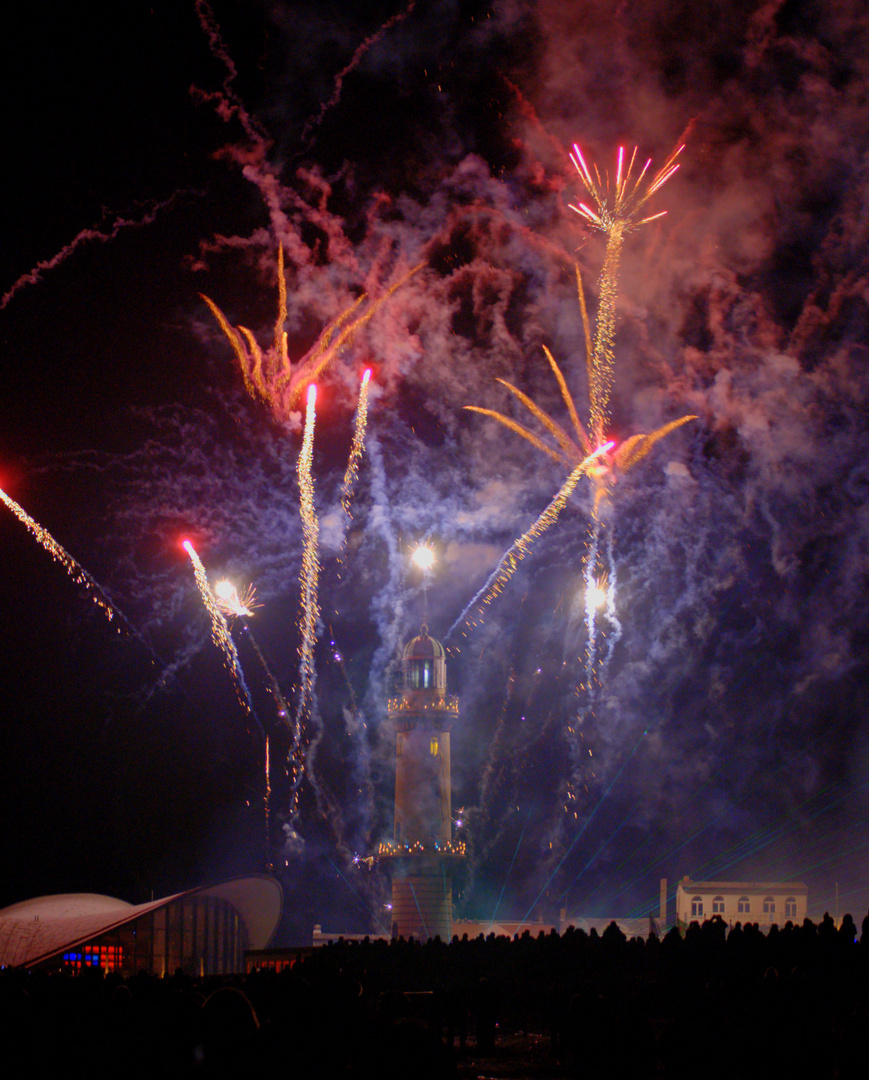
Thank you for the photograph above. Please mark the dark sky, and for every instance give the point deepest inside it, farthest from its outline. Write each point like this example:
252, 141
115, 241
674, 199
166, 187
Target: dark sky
157, 151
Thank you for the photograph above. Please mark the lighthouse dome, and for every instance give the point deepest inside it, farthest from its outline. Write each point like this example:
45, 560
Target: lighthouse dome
423, 647
424, 665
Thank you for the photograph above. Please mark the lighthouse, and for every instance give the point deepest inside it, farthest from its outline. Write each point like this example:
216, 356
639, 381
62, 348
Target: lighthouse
423, 851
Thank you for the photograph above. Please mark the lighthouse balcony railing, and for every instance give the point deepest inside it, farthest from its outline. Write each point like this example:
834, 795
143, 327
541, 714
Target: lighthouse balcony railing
412, 701
391, 849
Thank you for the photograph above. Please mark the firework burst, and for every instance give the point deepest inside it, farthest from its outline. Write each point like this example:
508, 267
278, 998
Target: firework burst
232, 603
617, 210
602, 466
270, 374
574, 449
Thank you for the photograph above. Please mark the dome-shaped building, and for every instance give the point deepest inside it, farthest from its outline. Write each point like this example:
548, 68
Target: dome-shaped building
423, 848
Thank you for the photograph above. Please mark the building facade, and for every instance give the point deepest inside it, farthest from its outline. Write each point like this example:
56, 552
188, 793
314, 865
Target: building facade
201, 932
762, 902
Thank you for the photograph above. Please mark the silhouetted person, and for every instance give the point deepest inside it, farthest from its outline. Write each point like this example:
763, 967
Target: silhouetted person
486, 1013
230, 1031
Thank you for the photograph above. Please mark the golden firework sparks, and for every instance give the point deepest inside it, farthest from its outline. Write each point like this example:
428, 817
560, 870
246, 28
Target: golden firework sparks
232, 603
60, 555
220, 634
572, 451
617, 210
270, 374
522, 545
310, 610
358, 444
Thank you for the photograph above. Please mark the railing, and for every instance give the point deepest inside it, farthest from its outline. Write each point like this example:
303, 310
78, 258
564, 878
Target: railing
445, 703
436, 847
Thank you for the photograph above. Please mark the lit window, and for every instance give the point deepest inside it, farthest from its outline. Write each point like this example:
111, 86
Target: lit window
743, 906
769, 905
718, 905
433, 745
421, 674
696, 907
791, 907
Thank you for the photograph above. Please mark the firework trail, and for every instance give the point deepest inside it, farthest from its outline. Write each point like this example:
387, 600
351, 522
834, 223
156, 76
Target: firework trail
78, 574
339, 660
270, 374
235, 605
599, 592
220, 634
241, 606
310, 610
520, 547
282, 710
267, 805
357, 446
618, 208
616, 212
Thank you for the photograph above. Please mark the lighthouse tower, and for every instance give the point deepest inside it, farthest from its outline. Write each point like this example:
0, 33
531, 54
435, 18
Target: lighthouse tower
423, 850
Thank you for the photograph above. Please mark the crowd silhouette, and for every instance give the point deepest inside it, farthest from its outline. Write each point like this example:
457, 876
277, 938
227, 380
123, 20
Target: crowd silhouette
711, 1000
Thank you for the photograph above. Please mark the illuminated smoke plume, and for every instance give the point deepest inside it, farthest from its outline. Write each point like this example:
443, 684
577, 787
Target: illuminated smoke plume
104, 235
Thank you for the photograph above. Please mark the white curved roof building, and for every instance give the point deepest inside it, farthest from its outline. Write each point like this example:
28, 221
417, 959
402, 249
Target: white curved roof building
204, 931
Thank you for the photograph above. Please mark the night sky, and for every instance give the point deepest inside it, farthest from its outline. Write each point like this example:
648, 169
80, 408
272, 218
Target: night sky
153, 152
